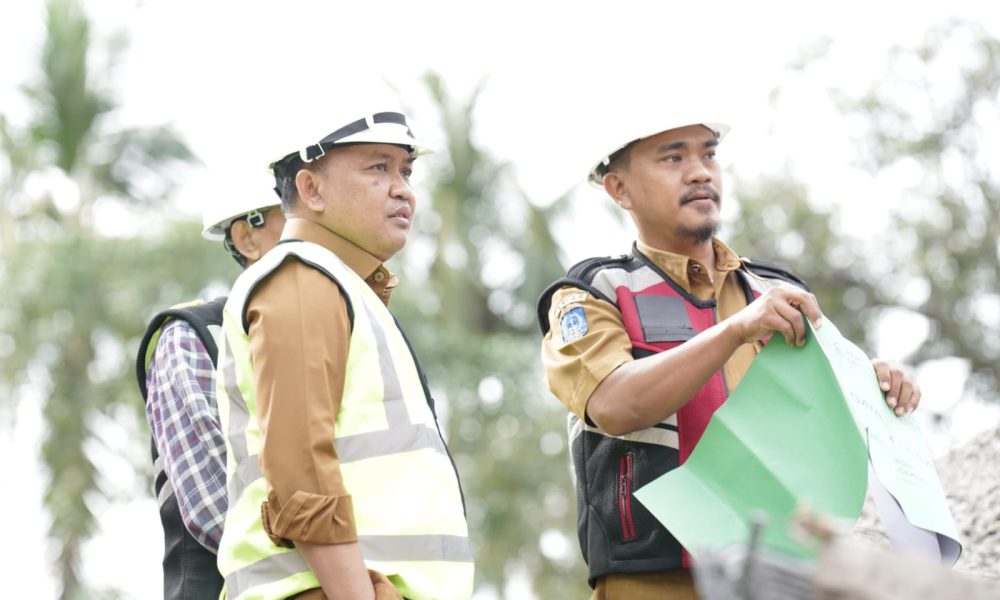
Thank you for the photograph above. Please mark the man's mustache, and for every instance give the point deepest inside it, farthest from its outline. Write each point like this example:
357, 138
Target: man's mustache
699, 192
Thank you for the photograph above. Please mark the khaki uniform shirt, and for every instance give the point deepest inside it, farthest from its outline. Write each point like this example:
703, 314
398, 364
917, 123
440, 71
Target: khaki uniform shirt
299, 337
574, 370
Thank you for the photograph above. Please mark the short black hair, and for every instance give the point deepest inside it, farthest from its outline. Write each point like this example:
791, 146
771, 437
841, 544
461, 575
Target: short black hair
231, 248
288, 167
285, 171
618, 158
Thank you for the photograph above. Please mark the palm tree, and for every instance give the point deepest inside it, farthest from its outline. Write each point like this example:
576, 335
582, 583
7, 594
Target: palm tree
74, 298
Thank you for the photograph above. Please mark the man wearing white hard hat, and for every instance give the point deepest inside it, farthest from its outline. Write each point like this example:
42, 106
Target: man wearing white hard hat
642, 348
341, 485
175, 369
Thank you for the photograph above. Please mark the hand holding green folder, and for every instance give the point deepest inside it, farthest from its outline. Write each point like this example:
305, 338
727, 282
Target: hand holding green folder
799, 429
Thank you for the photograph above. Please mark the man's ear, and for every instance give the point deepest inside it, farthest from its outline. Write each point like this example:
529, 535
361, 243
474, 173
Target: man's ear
614, 185
307, 186
239, 232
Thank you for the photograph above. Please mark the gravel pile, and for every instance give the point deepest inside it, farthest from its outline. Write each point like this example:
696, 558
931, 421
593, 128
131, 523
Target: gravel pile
970, 476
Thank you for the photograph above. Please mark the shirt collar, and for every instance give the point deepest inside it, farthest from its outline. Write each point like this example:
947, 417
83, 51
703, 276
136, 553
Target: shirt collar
726, 259
362, 263
676, 265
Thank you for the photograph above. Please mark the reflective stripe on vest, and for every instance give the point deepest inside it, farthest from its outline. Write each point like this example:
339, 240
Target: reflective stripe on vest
616, 534
166, 490
407, 505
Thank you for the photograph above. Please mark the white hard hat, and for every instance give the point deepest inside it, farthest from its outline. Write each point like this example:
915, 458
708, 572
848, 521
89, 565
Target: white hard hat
244, 192
628, 135
377, 127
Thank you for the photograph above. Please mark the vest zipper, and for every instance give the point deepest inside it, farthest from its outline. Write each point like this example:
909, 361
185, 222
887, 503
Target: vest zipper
625, 496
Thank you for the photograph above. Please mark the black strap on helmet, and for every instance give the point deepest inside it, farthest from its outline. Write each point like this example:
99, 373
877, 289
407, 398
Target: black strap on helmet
318, 150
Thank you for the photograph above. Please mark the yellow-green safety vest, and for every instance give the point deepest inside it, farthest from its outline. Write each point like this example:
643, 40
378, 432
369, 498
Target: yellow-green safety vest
408, 506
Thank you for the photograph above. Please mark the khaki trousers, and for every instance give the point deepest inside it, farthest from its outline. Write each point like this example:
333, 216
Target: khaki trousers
665, 585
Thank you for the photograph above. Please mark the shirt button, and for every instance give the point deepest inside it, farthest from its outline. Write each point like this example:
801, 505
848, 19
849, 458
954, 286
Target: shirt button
695, 268
379, 276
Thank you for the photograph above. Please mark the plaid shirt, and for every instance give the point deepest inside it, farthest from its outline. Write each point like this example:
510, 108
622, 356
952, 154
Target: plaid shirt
184, 418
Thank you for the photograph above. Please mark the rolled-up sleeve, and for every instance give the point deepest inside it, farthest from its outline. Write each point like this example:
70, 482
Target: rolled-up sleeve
299, 337
577, 359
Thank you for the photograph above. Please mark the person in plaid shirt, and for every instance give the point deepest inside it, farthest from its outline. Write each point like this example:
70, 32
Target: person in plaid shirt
176, 373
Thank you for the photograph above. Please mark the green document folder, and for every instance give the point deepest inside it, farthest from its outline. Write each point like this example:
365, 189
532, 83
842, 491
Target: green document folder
799, 429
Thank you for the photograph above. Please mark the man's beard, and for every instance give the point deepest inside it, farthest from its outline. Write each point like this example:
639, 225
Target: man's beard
705, 232
698, 234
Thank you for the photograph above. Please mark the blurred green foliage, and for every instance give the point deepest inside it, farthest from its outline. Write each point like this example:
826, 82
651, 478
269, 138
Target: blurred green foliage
470, 316
75, 299
939, 255
947, 264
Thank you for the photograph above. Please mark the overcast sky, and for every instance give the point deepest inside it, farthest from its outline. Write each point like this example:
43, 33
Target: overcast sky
234, 76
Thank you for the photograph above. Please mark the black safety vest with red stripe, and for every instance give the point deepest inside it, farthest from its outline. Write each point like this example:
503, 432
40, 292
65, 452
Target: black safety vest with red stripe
617, 534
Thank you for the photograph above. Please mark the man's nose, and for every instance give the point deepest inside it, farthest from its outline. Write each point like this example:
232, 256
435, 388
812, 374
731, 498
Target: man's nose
698, 172
401, 188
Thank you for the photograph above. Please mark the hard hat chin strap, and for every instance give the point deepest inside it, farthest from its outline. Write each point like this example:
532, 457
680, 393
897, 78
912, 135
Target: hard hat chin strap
230, 247
255, 219
311, 153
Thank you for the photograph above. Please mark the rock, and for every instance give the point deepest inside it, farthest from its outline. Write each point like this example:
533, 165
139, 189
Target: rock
970, 477
848, 569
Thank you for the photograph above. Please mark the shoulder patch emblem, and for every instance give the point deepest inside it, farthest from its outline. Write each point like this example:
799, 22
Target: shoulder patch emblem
574, 324
572, 298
